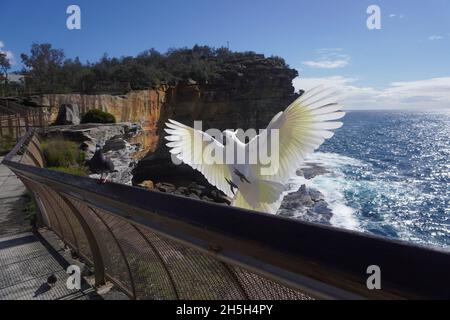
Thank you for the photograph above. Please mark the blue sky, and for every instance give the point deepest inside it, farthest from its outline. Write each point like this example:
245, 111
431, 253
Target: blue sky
327, 41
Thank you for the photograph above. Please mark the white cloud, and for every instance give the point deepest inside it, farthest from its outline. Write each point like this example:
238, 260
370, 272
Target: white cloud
327, 64
329, 58
435, 37
422, 94
394, 15
8, 53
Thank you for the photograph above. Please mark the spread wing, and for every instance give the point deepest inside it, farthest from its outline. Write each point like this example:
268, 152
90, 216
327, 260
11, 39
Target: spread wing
302, 128
181, 143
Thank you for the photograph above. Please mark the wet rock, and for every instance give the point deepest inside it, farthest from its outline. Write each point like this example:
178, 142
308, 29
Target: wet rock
205, 198
316, 195
183, 190
165, 187
311, 170
306, 204
322, 208
195, 191
286, 213
194, 196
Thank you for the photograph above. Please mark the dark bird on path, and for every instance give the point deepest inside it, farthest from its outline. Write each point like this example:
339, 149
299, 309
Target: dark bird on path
100, 164
51, 280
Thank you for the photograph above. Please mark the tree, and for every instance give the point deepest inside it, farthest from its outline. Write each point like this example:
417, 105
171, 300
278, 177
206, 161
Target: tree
44, 66
5, 65
47, 70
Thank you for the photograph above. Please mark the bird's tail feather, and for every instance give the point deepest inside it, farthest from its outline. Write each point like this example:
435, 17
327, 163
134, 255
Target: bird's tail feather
266, 198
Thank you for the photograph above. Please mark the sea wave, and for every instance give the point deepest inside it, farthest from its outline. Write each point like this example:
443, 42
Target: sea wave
333, 185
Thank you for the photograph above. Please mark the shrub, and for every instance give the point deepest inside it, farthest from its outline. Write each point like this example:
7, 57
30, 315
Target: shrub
62, 153
97, 116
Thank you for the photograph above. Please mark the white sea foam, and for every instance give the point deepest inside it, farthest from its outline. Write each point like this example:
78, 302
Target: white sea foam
332, 160
332, 185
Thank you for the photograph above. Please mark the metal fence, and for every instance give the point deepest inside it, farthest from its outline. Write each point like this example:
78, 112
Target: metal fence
16, 120
160, 246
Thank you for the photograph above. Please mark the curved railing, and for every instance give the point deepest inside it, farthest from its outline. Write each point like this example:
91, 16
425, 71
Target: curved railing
154, 245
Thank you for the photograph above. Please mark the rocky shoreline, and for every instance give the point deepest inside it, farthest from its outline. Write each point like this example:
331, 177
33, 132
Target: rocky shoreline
306, 203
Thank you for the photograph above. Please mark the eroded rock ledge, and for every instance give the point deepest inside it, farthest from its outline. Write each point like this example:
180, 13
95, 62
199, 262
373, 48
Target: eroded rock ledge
119, 142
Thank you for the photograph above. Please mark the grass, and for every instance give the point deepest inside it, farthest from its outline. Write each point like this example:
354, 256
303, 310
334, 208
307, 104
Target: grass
62, 153
64, 156
6, 144
76, 171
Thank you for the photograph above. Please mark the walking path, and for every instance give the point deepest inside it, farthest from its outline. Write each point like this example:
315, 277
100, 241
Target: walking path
28, 258
12, 202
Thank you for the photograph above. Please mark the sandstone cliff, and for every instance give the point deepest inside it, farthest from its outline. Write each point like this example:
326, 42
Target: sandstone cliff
247, 93
143, 107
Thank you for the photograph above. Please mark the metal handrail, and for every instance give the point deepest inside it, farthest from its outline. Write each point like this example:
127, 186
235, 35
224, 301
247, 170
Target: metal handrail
322, 261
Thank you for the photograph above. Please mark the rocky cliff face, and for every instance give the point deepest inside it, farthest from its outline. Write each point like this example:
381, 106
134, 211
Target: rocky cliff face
143, 107
247, 93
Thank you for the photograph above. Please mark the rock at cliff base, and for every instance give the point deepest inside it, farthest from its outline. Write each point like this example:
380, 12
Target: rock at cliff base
114, 144
68, 114
148, 184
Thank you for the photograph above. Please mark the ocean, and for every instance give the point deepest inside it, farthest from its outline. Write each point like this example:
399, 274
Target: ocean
389, 175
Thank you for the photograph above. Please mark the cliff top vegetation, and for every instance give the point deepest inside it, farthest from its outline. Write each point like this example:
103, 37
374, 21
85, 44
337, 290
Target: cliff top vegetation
47, 69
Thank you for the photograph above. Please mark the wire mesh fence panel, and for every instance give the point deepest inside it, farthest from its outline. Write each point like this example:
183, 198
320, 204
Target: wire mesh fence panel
36, 154
195, 275
28, 159
62, 212
46, 206
80, 240
150, 279
113, 259
260, 288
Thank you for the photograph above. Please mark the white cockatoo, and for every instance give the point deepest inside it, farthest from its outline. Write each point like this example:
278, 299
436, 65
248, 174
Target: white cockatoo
299, 130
